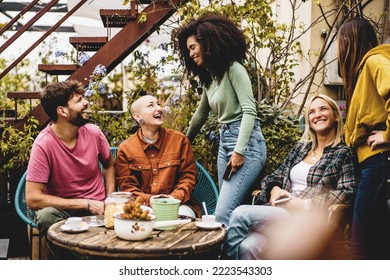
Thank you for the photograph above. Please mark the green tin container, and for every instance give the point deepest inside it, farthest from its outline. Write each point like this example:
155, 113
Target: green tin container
165, 209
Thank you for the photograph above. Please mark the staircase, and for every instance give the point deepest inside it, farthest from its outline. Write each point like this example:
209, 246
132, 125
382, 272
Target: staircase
109, 51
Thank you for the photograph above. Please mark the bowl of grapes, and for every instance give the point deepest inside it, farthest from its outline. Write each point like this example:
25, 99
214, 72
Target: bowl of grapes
136, 222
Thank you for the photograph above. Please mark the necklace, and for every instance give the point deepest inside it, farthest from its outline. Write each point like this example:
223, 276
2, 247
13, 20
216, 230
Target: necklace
314, 156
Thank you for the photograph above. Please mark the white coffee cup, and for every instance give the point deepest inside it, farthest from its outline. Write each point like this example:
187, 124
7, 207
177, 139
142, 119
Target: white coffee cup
74, 222
208, 220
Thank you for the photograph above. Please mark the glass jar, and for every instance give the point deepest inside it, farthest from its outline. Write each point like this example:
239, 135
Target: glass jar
112, 204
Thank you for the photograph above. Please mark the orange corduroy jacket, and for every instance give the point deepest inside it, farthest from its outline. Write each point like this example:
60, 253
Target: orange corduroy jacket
164, 167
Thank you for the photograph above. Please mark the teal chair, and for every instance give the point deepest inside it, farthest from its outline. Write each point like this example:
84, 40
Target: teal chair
26, 214
205, 190
113, 151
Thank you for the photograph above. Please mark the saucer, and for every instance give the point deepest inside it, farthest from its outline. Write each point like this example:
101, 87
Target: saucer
208, 227
94, 221
98, 223
84, 227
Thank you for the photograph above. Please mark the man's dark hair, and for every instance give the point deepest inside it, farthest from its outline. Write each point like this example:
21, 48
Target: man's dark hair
58, 94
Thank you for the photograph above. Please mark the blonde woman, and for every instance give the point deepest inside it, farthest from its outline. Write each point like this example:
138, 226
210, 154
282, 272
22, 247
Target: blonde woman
319, 171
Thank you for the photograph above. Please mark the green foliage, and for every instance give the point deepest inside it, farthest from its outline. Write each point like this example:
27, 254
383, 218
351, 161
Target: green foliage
115, 127
179, 109
143, 75
19, 79
280, 139
18, 146
206, 145
281, 131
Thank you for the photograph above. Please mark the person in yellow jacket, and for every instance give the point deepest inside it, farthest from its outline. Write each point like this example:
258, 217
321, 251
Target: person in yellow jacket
365, 68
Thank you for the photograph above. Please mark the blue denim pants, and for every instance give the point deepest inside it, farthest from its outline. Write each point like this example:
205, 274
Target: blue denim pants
245, 238
370, 217
234, 191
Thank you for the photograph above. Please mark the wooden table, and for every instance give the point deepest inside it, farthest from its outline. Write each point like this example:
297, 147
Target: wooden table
186, 241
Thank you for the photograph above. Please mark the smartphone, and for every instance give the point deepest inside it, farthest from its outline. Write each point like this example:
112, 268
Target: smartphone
281, 200
228, 172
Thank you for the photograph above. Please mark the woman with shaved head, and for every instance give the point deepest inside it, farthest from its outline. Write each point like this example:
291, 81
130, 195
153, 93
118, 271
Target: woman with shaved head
157, 161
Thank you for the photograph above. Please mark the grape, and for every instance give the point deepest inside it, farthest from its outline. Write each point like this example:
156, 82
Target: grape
132, 210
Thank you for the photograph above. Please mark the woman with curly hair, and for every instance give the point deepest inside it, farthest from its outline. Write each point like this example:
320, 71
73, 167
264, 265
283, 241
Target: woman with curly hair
365, 68
213, 49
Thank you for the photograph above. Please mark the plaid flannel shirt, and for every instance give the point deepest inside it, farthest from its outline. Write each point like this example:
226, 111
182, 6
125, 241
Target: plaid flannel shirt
331, 180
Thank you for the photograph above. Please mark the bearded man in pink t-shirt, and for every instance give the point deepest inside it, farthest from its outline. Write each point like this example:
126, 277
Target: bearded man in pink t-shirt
63, 175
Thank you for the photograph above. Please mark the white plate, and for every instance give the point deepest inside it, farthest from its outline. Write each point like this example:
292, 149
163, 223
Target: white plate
84, 227
204, 226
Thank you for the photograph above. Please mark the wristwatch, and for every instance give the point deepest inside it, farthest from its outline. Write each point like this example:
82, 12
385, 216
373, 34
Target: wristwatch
306, 204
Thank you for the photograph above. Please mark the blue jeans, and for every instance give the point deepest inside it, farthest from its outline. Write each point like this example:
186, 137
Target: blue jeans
245, 239
370, 217
234, 191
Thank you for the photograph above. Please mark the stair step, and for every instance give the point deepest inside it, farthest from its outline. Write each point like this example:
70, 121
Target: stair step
88, 43
7, 113
58, 69
24, 94
116, 17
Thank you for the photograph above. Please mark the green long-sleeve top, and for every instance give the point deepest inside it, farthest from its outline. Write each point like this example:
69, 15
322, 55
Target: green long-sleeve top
230, 100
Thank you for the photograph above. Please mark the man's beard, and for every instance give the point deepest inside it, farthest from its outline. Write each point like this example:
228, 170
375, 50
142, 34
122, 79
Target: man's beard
79, 120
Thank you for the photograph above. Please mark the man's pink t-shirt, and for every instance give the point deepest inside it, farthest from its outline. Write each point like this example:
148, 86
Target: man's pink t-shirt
70, 173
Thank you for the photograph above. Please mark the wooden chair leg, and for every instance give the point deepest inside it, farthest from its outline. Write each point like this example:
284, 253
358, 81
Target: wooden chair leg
29, 237
388, 208
4, 244
40, 247
388, 226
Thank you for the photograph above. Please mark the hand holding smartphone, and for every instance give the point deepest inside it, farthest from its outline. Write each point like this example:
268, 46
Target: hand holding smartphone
281, 200
228, 172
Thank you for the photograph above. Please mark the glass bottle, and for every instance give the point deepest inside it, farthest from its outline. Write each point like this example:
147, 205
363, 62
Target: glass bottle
112, 204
